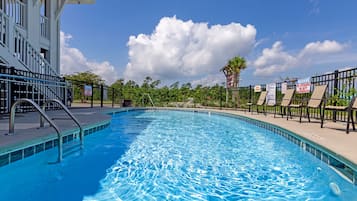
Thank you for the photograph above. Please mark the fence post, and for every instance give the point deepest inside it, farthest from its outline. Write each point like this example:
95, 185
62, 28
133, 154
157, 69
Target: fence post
113, 97
335, 86
65, 95
250, 96
220, 97
91, 100
11, 90
101, 95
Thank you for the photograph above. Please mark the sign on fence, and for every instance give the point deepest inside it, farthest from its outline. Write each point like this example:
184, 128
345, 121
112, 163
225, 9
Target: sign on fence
257, 88
284, 87
87, 90
105, 94
303, 85
271, 94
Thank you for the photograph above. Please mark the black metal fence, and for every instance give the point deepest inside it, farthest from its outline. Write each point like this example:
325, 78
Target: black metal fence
340, 91
98, 94
16, 84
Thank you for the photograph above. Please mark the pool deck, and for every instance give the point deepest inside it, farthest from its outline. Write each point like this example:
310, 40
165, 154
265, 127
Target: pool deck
332, 137
27, 125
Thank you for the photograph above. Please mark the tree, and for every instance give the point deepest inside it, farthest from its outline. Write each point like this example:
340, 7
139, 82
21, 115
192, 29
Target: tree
86, 77
234, 66
80, 79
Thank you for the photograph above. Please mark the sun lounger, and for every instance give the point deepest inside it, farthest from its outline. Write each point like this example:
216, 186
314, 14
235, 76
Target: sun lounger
315, 101
349, 109
261, 101
286, 101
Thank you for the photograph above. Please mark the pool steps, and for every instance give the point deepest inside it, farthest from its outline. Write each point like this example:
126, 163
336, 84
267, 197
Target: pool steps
37, 147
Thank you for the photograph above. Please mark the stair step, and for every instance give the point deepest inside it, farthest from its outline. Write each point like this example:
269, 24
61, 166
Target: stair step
75, 149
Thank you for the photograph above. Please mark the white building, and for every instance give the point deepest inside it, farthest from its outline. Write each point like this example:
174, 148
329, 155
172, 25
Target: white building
30, 34
30, 51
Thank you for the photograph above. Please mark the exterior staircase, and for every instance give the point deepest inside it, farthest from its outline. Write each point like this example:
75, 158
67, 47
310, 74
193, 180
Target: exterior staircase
17, 51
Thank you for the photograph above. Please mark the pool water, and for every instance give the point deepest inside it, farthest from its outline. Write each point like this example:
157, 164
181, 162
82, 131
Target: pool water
172, 155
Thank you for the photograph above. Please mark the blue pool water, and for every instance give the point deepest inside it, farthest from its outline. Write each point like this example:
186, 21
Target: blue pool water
170, 155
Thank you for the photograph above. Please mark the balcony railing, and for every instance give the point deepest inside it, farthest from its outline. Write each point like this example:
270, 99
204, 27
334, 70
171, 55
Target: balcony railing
16, 9
44, 28
4, 29
31, 58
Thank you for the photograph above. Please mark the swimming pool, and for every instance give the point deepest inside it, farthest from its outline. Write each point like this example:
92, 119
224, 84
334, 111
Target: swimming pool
172, 155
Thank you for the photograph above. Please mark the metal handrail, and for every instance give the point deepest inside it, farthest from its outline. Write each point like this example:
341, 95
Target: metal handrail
81, 135
43, 115
152, 103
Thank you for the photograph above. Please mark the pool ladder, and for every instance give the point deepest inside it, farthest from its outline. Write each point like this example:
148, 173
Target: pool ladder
150, 99
45, 116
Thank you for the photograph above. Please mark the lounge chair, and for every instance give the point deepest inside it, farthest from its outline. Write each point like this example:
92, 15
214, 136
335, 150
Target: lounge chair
286, 101
261, 101
315, 101
349, 109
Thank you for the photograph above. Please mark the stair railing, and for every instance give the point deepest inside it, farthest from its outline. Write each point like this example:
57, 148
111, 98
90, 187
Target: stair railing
81, 133
15, 9
43, 114
150, 99
30, 57
4, 29
12, 38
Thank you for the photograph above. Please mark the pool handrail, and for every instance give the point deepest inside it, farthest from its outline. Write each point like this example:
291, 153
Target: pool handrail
43, 115
150, 99
81, 133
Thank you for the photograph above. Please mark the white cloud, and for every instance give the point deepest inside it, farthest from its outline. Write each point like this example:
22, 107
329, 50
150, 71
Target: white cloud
324, 47
275, 59
73, 60
210, 80
182, 49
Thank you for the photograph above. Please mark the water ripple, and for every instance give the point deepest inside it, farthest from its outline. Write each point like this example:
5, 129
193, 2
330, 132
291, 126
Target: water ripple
183, 156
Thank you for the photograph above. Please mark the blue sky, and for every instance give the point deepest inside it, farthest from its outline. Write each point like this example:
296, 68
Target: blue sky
189, 41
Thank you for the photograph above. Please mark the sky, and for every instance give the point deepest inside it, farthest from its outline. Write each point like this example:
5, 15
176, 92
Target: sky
191, 40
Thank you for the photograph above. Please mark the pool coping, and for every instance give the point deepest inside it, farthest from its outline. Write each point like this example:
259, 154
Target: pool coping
21, 151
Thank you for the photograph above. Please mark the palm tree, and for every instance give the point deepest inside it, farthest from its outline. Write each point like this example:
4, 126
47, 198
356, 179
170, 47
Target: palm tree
234, 66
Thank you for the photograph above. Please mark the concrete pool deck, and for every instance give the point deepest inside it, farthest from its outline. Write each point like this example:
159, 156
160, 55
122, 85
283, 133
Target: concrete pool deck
27, 125
332, 137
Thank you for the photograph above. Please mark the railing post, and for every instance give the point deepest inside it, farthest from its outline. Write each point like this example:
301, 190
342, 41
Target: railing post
12, 88
65, 95
113, 97
335, 91
11, 36
220, 97
101, 95
91, 100
250, 96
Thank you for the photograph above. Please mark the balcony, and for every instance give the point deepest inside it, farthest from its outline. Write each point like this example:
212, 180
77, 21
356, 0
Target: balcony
44, 27
16, 10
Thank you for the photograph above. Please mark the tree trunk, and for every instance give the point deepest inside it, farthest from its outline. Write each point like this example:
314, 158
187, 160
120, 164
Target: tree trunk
234, 88
227, 95
238, 98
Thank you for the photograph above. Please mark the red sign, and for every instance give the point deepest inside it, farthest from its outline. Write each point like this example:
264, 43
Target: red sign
303, 86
